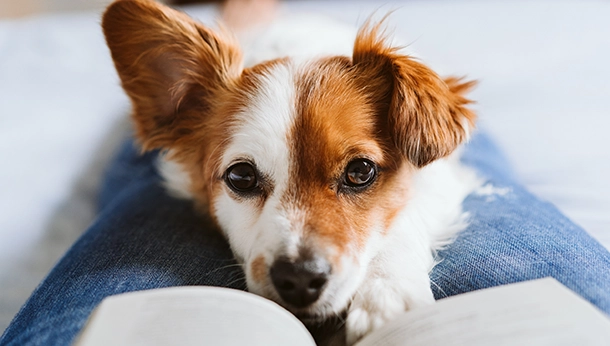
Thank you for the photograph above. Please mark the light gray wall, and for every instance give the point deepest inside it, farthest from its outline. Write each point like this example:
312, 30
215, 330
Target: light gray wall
20, 8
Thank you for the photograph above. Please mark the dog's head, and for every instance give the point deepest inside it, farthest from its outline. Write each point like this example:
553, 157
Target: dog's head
303, 165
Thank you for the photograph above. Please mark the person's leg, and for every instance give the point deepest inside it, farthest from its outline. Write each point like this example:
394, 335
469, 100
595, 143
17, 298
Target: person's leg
142, 239
145, 239
513, 236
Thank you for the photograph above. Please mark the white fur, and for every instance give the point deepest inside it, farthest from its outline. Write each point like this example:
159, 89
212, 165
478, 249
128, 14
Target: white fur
300, 37
261, 138
176, 180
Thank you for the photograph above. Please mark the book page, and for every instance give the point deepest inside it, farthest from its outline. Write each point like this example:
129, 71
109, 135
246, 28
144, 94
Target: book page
192, 316
538, 312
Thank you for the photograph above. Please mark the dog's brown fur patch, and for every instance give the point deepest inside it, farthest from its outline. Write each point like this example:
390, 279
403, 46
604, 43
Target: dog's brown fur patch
259, 270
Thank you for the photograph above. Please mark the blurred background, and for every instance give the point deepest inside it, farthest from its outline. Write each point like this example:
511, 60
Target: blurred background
20, 8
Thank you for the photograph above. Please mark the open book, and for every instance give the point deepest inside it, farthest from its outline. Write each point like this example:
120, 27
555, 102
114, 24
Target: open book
539, 312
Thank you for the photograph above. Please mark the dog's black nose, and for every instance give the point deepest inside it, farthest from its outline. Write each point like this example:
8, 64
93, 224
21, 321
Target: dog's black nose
300, 282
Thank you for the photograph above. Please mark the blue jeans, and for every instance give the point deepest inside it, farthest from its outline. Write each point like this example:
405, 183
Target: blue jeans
145, 239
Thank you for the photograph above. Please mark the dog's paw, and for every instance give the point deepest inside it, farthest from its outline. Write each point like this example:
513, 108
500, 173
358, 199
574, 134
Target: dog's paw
368, 312
378, 303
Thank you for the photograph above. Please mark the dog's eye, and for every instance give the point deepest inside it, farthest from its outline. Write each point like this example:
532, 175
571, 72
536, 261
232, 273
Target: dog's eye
241, 177
360, 173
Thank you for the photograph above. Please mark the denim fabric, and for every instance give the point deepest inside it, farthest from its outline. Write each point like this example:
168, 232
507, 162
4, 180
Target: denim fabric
144, 239
513, 236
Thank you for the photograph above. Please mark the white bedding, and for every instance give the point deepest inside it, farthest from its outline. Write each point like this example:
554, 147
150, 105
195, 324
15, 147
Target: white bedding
544, 95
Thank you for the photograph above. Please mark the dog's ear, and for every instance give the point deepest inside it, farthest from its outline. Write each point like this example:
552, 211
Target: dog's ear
426, 116
171, 67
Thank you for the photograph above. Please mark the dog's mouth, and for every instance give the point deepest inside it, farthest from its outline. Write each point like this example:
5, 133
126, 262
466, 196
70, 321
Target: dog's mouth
311, 318
317, 316
309, 314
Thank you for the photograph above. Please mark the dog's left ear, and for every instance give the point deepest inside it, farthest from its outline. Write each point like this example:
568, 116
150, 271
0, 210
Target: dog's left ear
172, 67
427, 116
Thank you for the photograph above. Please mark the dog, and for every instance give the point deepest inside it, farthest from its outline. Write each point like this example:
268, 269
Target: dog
330, 166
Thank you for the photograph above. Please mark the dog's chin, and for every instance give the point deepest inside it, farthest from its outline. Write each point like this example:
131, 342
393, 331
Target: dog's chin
318, 312
327, 307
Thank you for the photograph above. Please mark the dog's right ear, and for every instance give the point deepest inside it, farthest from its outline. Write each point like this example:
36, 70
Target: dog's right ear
171, 67
427, 117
